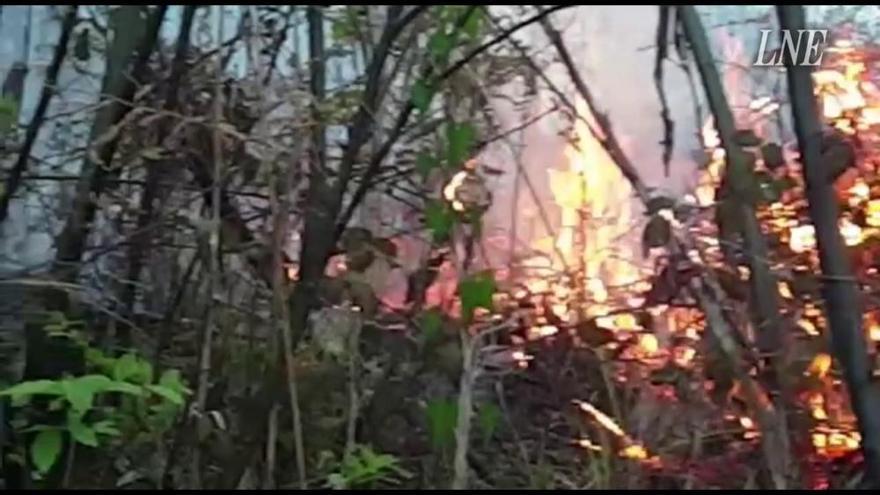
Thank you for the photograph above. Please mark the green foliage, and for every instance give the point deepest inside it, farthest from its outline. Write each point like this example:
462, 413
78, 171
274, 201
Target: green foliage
425, 163
442, 417
422, 94
8, 114
439, 219
476, 291
442, 43
45, 449
440, 46
345, 28
460, 139
431, 326
489, 417
474, 23
144, 405
364, 467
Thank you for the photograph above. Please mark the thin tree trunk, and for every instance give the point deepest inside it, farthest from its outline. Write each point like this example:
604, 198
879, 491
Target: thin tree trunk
839, 286
156, 170
120, 84
763, 283
21, 163
214, 254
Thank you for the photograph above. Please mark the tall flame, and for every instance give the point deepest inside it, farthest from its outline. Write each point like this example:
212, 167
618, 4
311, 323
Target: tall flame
595, 200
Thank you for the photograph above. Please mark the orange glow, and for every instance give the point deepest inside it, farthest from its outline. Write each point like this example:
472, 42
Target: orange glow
872, 213
817, 406
587, 444
820, 365
603, 419
803, 238
450, 190
636, 452
648, 344
852, 234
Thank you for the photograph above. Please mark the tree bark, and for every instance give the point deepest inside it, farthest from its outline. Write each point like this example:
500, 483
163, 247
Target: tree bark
14, 180
839, 286
125, 53
763, 283
155, 170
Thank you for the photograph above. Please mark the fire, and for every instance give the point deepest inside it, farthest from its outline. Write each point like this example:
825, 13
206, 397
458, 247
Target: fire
817, 406
835, 443
595, 202
872, 213
852, 233
603, 419
820, 365
449, 191
803, 238
750, 429
636, 452
589, 445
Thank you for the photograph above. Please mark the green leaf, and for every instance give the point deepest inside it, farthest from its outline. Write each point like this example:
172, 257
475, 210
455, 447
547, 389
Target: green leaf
442, 417
45, 450
425, 163
79, 431
476, 291
106, 427
131, 368
125, 388
440, 46
35, 387
422, 94
473, 23
460, 140
95, 383
168, 394
80, 391
173, 380
8, 113
489, 417
432, 326
439, 219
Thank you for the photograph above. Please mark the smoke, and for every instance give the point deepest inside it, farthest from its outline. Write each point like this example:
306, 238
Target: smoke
613, 48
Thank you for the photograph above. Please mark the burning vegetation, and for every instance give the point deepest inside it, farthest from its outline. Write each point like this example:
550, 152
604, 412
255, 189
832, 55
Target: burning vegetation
585, 286
311, 272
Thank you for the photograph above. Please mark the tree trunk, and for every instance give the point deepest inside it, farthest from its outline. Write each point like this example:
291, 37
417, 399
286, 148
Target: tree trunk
14, 180
736, 188
128, 51
155, 170
839, 287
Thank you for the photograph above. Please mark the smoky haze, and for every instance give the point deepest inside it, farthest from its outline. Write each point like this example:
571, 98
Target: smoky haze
613, 47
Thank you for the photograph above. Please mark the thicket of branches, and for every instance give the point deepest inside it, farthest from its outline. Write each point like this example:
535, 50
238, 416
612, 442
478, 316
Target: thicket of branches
252, 224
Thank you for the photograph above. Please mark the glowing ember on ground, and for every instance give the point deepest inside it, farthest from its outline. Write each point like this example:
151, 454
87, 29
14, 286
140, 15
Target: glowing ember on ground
602, 418
820, 365
852, 233
636, 452
803, 238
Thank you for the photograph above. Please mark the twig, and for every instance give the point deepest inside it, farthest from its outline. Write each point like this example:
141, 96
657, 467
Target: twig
214, 252
21, 163
271, 443
668, 124
403, 117
604, 135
